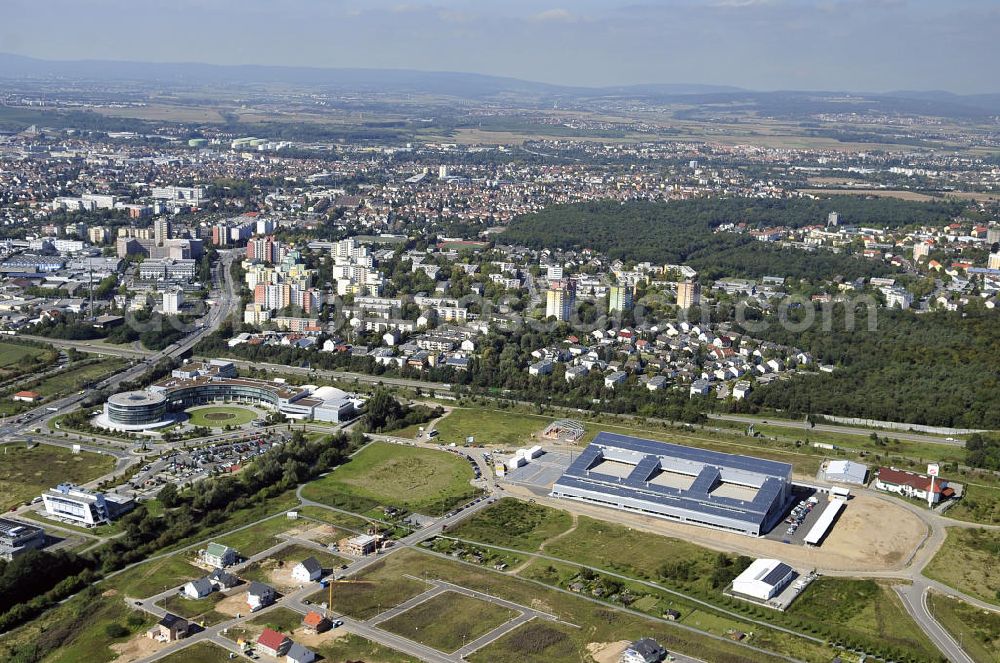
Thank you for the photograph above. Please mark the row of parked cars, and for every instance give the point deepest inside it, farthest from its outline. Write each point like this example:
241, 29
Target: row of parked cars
798, 514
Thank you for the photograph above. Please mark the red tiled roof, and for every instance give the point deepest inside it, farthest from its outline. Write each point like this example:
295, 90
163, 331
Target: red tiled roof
904, 478
313, 619
271, 639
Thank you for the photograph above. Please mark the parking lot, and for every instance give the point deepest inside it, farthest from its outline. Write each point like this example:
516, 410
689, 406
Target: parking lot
543, 471
803, 514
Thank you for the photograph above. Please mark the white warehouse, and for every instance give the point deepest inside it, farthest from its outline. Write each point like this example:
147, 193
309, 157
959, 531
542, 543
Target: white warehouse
763, 579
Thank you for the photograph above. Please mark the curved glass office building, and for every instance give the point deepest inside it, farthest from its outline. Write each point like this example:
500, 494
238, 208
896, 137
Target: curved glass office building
136, 410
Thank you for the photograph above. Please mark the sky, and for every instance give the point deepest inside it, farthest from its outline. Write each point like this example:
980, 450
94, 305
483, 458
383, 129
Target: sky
854, 45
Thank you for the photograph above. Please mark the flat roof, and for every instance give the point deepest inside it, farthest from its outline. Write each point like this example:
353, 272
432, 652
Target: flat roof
664, 475
16, 528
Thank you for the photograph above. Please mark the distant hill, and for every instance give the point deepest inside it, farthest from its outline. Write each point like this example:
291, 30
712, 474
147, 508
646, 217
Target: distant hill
705, 98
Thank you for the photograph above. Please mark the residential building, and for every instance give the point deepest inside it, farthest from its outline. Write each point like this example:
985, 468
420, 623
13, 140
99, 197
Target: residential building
308, 570
260, 596
645, 650
172, 301
219, 556
222, 579
299, 654
620, 298
560, 300
359, 546
170, 628
315, 622
198, 588
688, 294
273, 643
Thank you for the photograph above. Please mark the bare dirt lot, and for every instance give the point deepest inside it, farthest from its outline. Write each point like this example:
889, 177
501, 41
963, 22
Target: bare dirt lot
870, 535
607, 652
233, 605
136, 648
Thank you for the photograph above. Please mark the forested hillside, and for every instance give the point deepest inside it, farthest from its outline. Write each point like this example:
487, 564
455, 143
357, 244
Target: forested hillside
939, 369
682, 232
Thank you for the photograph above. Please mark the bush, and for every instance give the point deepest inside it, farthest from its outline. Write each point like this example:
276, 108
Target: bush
115, 631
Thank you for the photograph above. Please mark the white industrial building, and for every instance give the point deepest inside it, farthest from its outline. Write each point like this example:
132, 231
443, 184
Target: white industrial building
79, 505
172, 301
845, 471
763, 579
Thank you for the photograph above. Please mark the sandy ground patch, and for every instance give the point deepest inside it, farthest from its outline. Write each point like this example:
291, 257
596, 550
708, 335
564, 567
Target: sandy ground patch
313, 640
607, 652
136, 648
542, 606
872, 534
109, 592
233, 605
281, 576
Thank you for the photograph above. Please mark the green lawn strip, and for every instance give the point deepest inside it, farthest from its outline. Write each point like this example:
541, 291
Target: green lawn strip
199, 652
218, 416
199, 611
975, 629
100, 530
156, 576
384, 474
12, 354
27, 473
515, 524
859, 613
350, 647
596, 623
448, 621
968, 561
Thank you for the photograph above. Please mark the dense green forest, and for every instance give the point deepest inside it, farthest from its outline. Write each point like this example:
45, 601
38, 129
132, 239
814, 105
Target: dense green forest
683, 232
938, 369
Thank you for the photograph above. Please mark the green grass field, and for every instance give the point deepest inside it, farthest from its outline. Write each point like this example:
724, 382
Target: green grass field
383, 474
292, 555
350, 647
26, 473
259, 537
155, 576
199, 652
976, 630
14, 355
852, 611
339, 520
74, 379
979, 504
75, 631
514, 524
370, 593
490, 427
217, 416
200, 611
279, 619
969, 561
448, 621
559, 643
